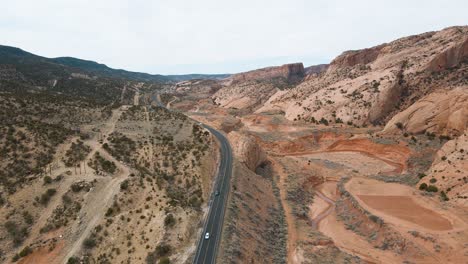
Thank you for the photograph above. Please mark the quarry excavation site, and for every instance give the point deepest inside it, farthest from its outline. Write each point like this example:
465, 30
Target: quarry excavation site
362, 160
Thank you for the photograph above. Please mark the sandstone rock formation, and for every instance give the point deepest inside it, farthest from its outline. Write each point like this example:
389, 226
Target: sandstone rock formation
442, 112
290, 72
354, 57
448, 170
316, 69
247, 150
247, 95
361, 87
451, 57
249, 90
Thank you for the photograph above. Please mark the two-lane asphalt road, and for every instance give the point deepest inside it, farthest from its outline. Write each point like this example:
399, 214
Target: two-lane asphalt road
207, 249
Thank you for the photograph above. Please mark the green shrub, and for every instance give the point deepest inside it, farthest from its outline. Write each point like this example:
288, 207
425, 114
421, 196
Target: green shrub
432, 188
89, 243
162, 250
51, 192
124, 185
47, 180
444, 196
73, 260
76, 187
17, 233
26, 251
433, 180
45, 197
66, 199
323, 121
164, 260
423, 186
169, 221
109, 212
28, 218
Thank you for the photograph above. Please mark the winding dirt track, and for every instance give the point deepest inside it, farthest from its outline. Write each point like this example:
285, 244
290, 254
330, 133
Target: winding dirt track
102, 200
99, 200
398, 166
326, 212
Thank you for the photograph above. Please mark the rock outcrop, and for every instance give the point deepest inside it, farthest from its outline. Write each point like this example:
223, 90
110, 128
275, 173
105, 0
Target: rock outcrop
355, 57
442, 113
250, 90
370, 86
452, 57
247, 150
316, 69
448, 170
247, 95
293, 72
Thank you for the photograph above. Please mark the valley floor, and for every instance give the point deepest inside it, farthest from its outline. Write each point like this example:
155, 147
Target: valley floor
349, 193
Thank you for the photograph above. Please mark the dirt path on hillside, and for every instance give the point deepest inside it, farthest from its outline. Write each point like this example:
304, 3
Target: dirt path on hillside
150, 142
98, 200
330, 209
292, 236
136, 98
169, 104
123, 93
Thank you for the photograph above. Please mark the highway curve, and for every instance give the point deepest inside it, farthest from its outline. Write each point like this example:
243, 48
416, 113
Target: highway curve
208, 248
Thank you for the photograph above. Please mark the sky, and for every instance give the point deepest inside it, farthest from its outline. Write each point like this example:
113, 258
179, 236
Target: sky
215, 36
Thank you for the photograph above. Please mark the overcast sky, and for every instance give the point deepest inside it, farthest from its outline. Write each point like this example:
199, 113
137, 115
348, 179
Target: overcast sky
215, 36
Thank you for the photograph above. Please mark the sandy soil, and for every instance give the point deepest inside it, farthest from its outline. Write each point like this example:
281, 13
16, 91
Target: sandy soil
405, 208
412, 209
326, 155
353, 160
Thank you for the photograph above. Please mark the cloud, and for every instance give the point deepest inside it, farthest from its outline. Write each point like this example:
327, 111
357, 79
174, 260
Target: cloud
175, 36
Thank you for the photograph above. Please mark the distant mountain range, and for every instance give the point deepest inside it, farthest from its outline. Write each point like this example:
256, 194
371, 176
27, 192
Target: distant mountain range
28, 61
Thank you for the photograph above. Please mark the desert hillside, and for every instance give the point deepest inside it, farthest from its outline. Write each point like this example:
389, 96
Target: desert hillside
367, 86
362, 160
91, 170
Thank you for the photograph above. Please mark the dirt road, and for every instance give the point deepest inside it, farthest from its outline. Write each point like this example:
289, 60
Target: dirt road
326, 212
101, 197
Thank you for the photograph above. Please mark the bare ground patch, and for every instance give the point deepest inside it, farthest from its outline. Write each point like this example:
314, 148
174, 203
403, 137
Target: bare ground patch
405, 208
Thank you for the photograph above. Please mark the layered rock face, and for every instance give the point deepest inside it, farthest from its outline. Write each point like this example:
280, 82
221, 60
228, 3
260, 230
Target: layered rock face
290, 72
354, 57
250, 90
316, 69
450, 58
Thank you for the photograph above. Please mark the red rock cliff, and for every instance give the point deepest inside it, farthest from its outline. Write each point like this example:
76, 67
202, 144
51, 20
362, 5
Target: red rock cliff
291, 72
